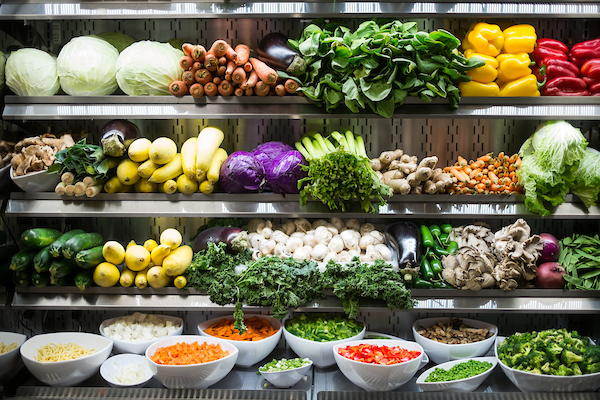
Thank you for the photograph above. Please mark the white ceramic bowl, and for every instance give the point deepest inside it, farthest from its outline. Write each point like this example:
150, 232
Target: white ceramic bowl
375, 377
195, 376
36, 181
286, 379
111, 368
320, 353
530, 382
250, 352
124, 346
9, 360
70, 372
460, 385
441, 352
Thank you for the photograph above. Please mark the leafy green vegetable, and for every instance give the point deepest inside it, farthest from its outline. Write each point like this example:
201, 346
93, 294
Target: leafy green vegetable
82, 160
377, 281
580, 256
339, 174
587, 178
379, 66
323, 327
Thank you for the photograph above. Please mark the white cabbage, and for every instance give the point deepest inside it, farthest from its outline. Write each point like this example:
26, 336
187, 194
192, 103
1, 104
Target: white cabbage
87, 67
148, 68
32, 72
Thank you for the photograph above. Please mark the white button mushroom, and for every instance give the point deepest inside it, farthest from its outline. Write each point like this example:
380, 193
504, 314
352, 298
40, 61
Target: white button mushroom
323, 235
319, 252
303, 253
338, 223
279, 237
309, 240
366, 228
294, 243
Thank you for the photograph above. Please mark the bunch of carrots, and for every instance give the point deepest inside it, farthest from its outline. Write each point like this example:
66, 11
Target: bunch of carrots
227, 71
257, 329
486, 175
188, 353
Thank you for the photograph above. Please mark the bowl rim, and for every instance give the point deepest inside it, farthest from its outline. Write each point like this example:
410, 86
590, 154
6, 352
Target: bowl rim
235, 351
23, 338
27, 175
96, 353
374, 341
430, 341
229, 317
102, 326
532, 374
334, 342
421, 379
287, 370
130, 355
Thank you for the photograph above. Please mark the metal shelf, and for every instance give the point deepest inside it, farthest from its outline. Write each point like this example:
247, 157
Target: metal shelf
237, 9
49, 204
548, 301
292, 107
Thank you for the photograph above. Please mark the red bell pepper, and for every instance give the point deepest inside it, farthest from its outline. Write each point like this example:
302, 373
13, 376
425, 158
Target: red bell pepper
589, 81
549, 48
595, 89
552, 44
578, 61
591, 69
566, 86
550, 68
586, 50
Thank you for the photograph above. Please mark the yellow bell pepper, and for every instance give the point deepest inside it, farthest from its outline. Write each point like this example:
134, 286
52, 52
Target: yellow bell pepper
465, 42
485, 74
486, 39
472, 88
513, 66
526, 86
519, 39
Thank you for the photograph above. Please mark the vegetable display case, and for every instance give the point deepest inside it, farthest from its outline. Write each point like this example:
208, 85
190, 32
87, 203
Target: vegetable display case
479, 125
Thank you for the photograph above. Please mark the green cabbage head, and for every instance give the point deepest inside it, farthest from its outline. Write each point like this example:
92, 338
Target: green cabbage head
87, 67
120, 40
32, 72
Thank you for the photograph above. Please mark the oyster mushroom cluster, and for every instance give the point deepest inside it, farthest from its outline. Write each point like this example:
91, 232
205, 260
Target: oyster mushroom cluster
37, 153
506, 258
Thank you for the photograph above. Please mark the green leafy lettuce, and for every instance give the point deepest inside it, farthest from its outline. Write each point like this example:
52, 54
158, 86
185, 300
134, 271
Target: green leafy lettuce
587, 178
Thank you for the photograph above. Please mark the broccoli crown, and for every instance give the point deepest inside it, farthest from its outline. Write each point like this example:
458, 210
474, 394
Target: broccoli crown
550, 352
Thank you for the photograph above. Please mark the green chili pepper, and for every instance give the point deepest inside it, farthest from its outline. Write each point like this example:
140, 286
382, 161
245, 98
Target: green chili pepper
435, 230
444, 238
436, 266
452, 247
422, 283
426, 236
447, 228
426, 270
438, 250
440, 285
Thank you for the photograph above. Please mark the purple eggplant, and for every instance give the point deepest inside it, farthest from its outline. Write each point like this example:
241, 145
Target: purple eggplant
405, 238
274, 50
235, 238
117, 135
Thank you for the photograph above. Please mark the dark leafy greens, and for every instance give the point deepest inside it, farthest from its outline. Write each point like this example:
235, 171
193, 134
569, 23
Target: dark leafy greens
379, 66
82, 160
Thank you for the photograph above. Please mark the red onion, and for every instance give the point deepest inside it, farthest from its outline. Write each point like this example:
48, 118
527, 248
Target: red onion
549, 275
551, 249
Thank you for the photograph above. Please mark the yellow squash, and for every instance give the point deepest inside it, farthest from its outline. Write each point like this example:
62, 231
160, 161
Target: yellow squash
209, 140
169, 171
188, 157
178, 260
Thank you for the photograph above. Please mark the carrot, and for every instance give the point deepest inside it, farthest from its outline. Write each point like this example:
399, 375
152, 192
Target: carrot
457, 174
197, 90
257, 329
217, 80
196, 66
221, 70
264, 72
243, 53
248, 66
239, 92
493, 177
188, 78
178, 88
230, 68
188, 353
187, 48
249, 91
243, 84
462, 162
203, 76
186, 62
238, 75
291, 86
219, 48
261, 89
280, 90
210, 89
211, 61
213, 68
252, 79
230, 53
225, 88
222, 60
199, 53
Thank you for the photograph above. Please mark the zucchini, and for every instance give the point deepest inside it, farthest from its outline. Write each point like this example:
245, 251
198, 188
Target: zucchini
56, 246
83, 241
89, 258
39, 237
22, 260
40, 279
42, 260
6, 252
62, 281
21, 278
62, 267
84, 279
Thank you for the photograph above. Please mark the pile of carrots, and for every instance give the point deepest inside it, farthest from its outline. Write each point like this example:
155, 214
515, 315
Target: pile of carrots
258, 329
188, 353
486, 175
227, 71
